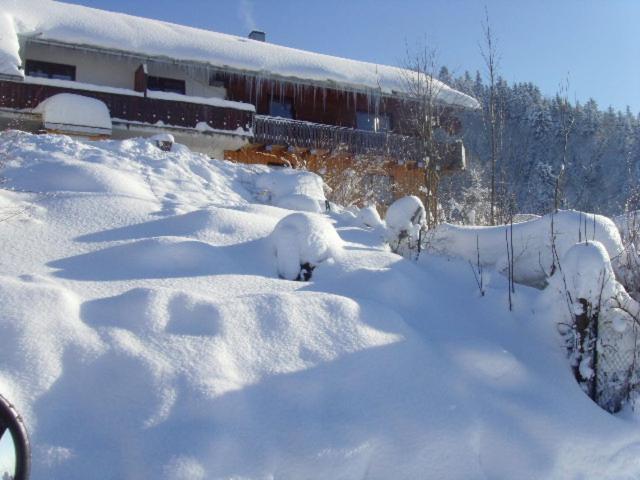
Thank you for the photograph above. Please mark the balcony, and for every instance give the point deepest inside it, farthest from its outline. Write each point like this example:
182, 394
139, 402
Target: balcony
283, 131
129, 106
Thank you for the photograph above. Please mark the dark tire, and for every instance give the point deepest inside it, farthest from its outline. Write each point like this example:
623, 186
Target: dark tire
9, 418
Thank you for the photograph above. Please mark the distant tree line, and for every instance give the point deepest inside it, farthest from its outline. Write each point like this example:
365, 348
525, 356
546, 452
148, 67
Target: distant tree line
550, 152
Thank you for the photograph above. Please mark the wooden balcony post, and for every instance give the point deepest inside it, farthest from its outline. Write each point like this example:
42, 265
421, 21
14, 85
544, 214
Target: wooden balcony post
140, 79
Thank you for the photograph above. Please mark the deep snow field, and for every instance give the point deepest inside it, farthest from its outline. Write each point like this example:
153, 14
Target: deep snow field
144, 333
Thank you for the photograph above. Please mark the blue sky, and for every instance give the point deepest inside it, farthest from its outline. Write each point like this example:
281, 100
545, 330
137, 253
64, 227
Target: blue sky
595, 43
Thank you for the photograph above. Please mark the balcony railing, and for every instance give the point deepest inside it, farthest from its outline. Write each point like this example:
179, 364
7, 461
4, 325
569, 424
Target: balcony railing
132, 108
284, 131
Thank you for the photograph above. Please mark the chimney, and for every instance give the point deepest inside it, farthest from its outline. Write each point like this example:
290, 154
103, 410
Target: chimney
258, 35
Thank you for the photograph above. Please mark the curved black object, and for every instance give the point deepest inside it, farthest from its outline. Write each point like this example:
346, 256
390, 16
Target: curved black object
11, 420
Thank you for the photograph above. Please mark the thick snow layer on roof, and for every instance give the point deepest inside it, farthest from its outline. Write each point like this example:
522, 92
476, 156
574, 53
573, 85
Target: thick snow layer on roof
9, 47
86, 26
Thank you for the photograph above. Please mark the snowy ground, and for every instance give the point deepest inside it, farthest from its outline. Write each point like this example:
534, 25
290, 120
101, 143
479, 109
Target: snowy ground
144, 333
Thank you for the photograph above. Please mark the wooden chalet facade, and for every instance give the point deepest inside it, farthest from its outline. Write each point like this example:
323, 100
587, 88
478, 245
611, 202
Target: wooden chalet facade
331, 126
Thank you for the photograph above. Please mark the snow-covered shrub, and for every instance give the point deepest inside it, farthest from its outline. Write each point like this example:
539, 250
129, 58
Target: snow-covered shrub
369, 217
534, 242
405, 219
598, 322
164, 141
292, 189
300, 242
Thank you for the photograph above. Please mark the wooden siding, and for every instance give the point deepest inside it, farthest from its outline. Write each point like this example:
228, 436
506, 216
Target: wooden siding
325, 105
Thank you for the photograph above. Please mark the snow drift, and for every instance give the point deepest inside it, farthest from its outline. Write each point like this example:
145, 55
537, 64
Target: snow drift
144, 334
533, 242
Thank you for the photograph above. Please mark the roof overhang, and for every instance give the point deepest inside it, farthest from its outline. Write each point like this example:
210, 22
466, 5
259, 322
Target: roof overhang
261, 74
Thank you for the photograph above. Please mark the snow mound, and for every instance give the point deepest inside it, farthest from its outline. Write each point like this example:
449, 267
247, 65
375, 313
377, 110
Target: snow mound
369, 217
303, 241
405, 214
292, 189
70, 112
41, 330
532, 242
144, 334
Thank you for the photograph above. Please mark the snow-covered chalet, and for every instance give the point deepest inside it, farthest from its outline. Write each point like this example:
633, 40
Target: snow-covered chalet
243, 99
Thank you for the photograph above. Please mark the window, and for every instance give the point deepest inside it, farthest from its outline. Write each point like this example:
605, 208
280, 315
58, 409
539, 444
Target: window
163, 84
372, 122
283, 109
57, 71
218, 79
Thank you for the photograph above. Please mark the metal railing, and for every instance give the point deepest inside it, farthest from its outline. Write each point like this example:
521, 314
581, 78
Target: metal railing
284, 131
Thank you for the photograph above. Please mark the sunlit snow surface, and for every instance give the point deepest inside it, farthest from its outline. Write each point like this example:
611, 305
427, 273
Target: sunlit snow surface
144, 333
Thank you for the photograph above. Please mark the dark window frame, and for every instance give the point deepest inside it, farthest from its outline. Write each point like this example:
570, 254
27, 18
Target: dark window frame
54, 71
285, 102
381, 122
166, 84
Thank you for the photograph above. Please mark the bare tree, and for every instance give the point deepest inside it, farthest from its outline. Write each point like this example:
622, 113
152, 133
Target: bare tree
422, 116
566, 119
492, 112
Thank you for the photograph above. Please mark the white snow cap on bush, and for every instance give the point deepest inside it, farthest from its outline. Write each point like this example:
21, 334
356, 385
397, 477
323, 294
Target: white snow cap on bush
76, 111
532, 242
292, 189
588, 272
303, 238
163, 137
406, 214
369, 217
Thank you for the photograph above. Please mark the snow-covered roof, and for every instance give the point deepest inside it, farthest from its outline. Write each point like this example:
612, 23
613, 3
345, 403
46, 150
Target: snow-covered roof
79, 25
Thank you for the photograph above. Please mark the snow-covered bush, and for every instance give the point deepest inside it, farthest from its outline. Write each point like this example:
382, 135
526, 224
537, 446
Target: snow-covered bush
164, 141
534, 242
300, 242
598, 322
369, 217
405, 219
292, 189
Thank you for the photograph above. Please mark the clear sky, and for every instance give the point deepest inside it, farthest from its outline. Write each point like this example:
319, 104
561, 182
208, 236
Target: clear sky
595, 43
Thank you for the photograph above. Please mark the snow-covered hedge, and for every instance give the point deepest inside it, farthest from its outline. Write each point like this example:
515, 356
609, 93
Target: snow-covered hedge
596, 317
532, 242
301, 241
